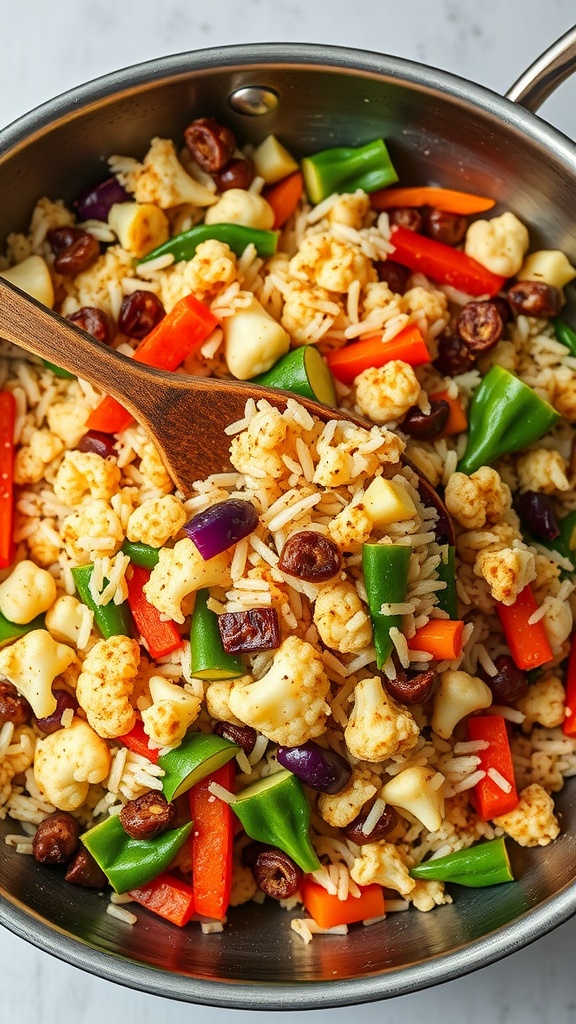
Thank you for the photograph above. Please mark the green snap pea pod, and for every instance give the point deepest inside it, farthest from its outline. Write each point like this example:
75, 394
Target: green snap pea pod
505, 415
130, 863
12, 630
304, 372
199, 754
111, 619
208, 659
478, 866
568, 531
386, 579
346, 168
275, 810
141, 554
237, 236
447, 598
565, 334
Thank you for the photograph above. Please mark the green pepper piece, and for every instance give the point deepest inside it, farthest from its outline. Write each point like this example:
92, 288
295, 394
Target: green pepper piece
480, 865
208, 659
111, 619
386, 578
237, 236
346, 168
130, 863
12, 630
446, 569
304, 372
505, 415
58, 371
199, 754
567, 527
141, 554
275, 810
565, 334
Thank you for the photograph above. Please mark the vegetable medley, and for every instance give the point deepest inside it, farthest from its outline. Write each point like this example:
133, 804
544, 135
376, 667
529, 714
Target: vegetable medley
337, 674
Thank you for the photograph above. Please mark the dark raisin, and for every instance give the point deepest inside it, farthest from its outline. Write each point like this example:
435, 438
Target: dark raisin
536, 510
244, 735
454, 357
210, 143
99, 443
535, 298
56, 838
411, 689
394, 274
52, 723
254, 630
237, 173
139, 313
13, 706
251, 851
85, 871
480, 326
502, 307
509, 684
386, 822
147, 815
75, 250
426, 426
310, 556
448, 228
94, 321
406, 217
277, 874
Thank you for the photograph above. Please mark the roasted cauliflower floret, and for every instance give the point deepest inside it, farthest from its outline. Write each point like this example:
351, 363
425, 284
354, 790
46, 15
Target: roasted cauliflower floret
218, 701
161, 178
106, 683
288, 704
83, 473
32, 664
339, 809
212, 268
351, 527
458, 695
32, 459
238, 206
26, 592
68, 421
350, 209
156, 520
341, 459
378, 728
173, 709
542, 469
427, 894
498, 244
419, 791
303, 306
532, 822
544, 702
68, 762
261, 445
506, 572
95, 529
341, 619
331, 264
382, 863
179, 573
478, 499
386, 393
425, 304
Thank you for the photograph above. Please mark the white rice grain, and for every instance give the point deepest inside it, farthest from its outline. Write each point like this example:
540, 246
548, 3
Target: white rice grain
121, 914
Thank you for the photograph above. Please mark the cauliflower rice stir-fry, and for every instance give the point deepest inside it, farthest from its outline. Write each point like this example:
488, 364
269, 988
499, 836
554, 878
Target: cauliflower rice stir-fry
336, 673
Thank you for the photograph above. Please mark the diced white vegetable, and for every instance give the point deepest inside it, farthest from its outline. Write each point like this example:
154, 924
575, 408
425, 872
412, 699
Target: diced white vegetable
272, 161
32, 276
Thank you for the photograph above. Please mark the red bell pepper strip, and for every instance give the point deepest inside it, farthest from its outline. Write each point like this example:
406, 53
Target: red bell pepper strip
408, 346
212, 838
7, 420
489, 798
328, 911
569, 726
137, 741
167, 896
161, 637
528, 642
183, 330
284, 197
442, 263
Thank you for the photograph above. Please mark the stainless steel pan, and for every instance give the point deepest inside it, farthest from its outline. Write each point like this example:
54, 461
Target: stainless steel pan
439, 128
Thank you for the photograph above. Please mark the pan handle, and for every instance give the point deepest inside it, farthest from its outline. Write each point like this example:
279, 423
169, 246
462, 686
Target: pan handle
540, 80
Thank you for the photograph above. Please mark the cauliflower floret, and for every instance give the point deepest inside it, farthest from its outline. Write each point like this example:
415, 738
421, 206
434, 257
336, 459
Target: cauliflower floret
498, 244
83, 473
211, 269
427, 894
179, 573
351, 527
218, 701
480, 498
44, 544
544, 703
261, 445
26, 592
339, 809
378, 728
32, 664
161, 178
350, 208
341, 618
426, 304
106, 683
564, 397
31, 460
532, 822
506, 572
67, 762
542, 469
68, 421
458, 695
341, 459
304, 306
94, 530
419, 792
238, 206
173, 709
382, 863
156, 520
288, 704
387, 392
331, 264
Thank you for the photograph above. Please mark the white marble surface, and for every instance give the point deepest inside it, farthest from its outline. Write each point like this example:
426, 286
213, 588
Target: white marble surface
48, 46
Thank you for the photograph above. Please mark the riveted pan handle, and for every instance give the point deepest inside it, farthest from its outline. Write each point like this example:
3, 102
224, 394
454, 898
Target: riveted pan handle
540, 80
